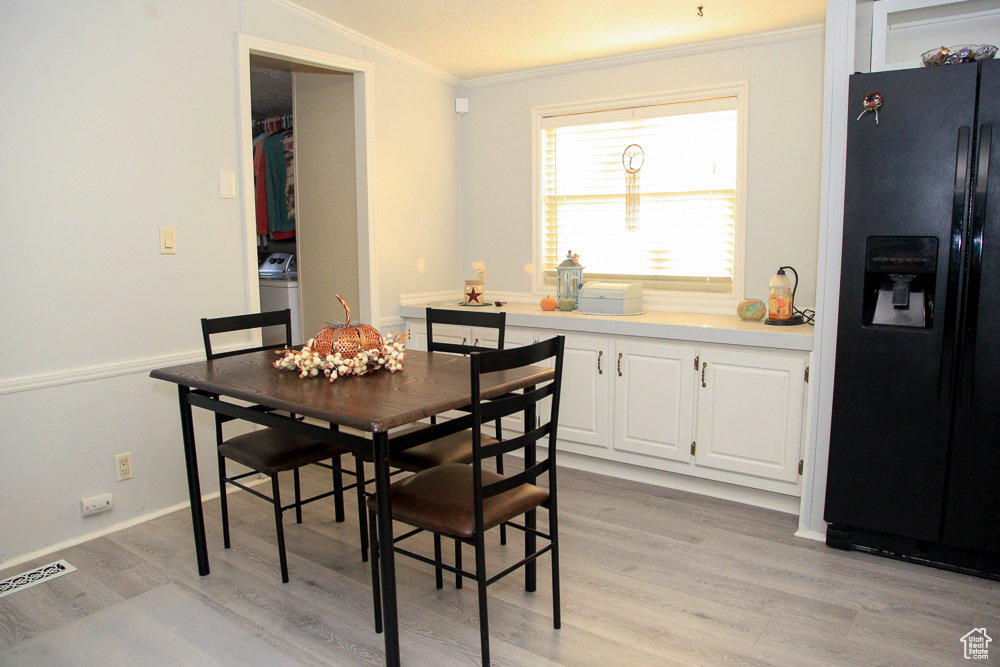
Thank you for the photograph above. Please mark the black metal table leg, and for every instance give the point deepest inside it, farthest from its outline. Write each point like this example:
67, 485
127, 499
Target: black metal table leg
387, 563
194, 482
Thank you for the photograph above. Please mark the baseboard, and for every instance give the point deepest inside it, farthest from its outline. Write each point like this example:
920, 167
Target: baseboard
811, 535
114, 528
669, 480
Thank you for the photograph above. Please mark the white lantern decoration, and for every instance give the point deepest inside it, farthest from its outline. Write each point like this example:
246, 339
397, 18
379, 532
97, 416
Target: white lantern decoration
570, 278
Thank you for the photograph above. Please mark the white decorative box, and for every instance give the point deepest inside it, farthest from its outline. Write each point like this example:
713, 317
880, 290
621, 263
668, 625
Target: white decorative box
611, 298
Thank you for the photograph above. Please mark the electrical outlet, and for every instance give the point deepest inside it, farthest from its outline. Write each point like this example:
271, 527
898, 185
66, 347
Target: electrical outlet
123, 466
96, 504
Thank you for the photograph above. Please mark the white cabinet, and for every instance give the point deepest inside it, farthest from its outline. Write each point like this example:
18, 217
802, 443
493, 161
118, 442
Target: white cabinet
750, 408
654, 399
726, 413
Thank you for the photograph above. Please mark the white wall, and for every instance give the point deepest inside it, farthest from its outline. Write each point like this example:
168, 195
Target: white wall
326, 206
118, 117
785, 75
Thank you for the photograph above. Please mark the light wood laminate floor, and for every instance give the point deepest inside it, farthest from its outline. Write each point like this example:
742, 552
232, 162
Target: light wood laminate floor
650, 576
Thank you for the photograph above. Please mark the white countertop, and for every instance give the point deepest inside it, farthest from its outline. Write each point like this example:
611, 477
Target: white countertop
694, 327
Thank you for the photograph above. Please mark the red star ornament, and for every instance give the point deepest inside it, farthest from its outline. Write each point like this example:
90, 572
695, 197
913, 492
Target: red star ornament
474, 295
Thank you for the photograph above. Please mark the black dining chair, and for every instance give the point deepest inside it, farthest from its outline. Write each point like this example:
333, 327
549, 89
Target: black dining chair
454, 447
271, 451
464, 501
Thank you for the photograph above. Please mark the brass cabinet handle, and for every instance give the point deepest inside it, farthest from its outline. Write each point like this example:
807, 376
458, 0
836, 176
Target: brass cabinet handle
703, 366
599, 353
464, 339
619, 364
475, 342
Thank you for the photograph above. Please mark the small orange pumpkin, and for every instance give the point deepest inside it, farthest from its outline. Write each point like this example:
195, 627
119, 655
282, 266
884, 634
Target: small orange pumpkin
548, 303
346, 339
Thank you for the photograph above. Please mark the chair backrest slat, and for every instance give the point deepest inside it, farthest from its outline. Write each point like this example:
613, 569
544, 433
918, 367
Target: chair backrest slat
517, 442
508, 405
513, 481
219, 325
520, 356
465, 318
429, 433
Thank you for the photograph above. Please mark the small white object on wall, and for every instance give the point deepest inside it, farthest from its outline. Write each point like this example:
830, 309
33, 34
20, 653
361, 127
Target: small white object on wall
461, 105
168, 241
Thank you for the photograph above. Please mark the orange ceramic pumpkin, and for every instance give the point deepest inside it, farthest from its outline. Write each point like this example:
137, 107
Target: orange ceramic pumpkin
548, 303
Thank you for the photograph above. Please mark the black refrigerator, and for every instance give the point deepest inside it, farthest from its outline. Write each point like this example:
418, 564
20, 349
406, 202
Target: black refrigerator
914, 468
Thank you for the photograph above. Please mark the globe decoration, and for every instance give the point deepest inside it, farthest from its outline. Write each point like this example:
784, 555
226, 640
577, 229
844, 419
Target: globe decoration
751, 310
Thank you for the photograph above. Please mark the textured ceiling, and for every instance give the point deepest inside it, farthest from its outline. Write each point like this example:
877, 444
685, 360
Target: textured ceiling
270, 87
470, 39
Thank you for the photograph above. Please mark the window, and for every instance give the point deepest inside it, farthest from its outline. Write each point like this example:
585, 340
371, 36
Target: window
688, 234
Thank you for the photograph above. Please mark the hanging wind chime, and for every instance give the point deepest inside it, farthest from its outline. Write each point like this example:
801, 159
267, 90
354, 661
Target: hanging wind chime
632, 160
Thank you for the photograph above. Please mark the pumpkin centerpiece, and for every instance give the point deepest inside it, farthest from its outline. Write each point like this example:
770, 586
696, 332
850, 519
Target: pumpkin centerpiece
348, 340
342, 349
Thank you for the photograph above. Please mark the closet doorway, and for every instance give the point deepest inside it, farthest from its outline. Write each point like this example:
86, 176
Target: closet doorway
328, 100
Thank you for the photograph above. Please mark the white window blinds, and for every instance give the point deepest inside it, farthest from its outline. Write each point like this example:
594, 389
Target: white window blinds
687, 217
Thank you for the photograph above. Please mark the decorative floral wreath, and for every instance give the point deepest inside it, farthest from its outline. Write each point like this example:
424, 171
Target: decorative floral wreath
310, 363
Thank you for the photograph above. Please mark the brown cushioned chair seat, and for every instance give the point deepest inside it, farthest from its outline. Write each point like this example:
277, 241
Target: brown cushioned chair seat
454, 448
270, 450
441, 499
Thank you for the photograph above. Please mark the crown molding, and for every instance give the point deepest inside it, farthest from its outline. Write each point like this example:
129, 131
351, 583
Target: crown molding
332, 26
696, 48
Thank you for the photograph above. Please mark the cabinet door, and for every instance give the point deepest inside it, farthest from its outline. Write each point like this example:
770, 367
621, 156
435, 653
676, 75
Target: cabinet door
583, 407
750, 413
654, 399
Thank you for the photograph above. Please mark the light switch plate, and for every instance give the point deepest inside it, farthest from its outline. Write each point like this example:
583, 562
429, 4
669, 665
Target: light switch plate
168, 241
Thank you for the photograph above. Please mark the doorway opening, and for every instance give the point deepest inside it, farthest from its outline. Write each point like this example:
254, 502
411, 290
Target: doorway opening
328, 100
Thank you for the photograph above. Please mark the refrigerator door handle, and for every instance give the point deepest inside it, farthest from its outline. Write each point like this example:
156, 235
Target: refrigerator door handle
955, 247
975, 271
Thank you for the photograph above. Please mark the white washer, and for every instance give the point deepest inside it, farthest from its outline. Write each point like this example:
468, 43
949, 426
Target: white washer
279, 294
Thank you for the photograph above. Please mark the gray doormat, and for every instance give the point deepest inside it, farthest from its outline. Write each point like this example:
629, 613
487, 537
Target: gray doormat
164, 626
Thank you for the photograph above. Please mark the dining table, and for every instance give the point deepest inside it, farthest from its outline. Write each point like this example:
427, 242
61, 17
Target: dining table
355, 413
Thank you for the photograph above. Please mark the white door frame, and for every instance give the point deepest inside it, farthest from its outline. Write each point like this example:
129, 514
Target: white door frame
364, 123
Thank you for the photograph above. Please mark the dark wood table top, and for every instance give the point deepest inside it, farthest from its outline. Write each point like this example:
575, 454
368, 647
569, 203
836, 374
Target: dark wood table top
429, 384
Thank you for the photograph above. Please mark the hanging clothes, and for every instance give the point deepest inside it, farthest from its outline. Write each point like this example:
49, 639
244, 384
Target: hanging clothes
260, 185
274, 179
277, 179
288, 190
288, 144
